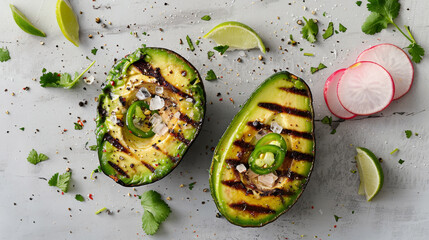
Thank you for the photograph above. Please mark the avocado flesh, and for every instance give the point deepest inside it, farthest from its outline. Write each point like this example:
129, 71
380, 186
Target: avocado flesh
241, 197
126, 158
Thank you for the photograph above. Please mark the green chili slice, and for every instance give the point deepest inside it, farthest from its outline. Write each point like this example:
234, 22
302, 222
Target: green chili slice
272, 139
131, 113
266, 159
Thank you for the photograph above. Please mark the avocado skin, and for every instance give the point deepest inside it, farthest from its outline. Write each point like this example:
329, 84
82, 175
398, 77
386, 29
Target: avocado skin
220, 148
115, 75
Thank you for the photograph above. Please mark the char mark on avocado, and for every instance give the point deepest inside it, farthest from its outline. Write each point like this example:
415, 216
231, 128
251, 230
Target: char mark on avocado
145, 68
148, 166
186, 119
281, 109
179, 137
302, 92
259, 126
172, 158
276, 192
115, 143
244, 145
290, 174
299, 156
118, 169
252, 209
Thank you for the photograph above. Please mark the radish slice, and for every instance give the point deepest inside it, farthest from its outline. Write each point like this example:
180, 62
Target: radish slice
331, 96
395, 61
365, 88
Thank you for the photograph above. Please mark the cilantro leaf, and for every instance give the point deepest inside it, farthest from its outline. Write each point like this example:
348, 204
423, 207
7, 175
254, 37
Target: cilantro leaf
336, 218
327, 120
221, 48
191, 185
93, 147
374, 23
387, 8
79, 197
416, 52
329, 31
315, 69
211, 75
35, 158
408, 133
210, 54
49, 79
206, 18
4, 55
191, 45
310, 30
359, 3
94, 51
60, 181
401, 161
77, 126
342, 28
155, 211
333, 131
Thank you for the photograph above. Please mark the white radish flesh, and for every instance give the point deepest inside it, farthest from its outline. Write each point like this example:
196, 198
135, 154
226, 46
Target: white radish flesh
331, 97
395, 61
365, 88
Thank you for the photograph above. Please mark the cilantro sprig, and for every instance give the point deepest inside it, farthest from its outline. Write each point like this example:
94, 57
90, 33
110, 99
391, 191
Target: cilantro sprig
211, 75
155, 211
316, 69
49, 79
310, 30
35, 158
61, 181
383, 13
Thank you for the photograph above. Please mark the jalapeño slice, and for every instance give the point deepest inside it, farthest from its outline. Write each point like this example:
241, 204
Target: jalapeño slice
272, 139
137, 106
266, 159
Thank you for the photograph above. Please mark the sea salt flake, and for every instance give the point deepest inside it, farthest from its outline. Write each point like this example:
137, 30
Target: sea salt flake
159, 90
156, 103
89, 80
241, 168
160, 129
189, 100
143, 93
155, 119
276, 128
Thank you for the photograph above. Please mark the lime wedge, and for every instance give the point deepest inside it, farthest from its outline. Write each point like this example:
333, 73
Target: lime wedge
370, 173
24, 23
236, 35
67, 21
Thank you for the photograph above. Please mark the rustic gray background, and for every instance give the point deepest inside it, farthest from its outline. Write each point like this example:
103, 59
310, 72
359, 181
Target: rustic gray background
399, 211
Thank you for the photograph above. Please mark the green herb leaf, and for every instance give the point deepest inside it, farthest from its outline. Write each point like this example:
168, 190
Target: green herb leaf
310, 30
388, 8
221, 48
308, 54
408, 133
327, 120
359, 3
336, 218
374, 23
100, 210
342, 28
93, 147
329, 31
60, 181
401, 161
315, 69
291, 41
190, 44
206, 18
353, 171
210, 54
197, 42
394, 151
211, 75
416, 52
191, 185
49, 79
79, 197
4, 54
77, 126
35, 158
94, 51
22, 128
333, 131
155, 211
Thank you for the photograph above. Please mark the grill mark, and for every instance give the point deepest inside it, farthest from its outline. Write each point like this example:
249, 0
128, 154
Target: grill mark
186, 119
118, 169
276, 192
281, 109
294, 90
258, 126
235, 162
235, 184
115, 143
290, 174
144, 67
244, 145
179, 137
148, 166
172, 158
300, 156
252, 209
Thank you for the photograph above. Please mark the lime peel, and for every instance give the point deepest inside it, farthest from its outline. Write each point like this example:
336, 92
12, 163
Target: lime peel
67, 21
22, 21
370, 173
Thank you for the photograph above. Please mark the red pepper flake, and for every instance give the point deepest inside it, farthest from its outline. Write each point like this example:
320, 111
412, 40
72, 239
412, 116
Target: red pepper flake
62, 193
80, 122
90, 196
221, 99
335, 226
135, 195
312, 207
112, 83
232, 100
130, 131
65, 130
156, 165
104, 150
59, 75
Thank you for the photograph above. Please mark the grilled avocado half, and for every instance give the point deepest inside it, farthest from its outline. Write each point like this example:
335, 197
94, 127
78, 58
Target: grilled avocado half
282, 104
150, 111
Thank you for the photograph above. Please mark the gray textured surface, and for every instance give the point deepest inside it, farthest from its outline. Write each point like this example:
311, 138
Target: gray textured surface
399, 211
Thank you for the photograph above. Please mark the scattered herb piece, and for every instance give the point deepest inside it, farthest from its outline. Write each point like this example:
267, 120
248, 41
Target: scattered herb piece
60, 181
211, 75
221, 48
190, 44
35, 158
291, 41
49, 79
22, 128
394, 151
77, 126
401, 161
155, 211
310, 30
145, 33
408, 133
197, 42
329, 31
79, 197
93, 147
4, 54
315, 69
336, 218
324, 14
382, 14
94, 51
100, 210
342, 28
359, 3
327, 120
333, 131
309, 54
206, 18
210, 54
95, 171
191, 185
353, 171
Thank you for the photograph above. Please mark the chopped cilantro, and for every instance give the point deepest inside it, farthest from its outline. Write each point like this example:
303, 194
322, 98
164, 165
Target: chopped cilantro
77, 126
324, 14
342, 28
191, 185
327, 120
221, 48
210, 54
155, 211
333, 131
94, 51
408, 133
49, 79
353, 171
308, 54
197, 42
315, 69
336, 218
190, 44
35, 158
394, 151
145, 33
61, 181
22, 128
206, 18
401, 161
382, 14
100, 210
310, 30
79, 197
291, 41
329, 31
93, 147
211, 75
4, 55
358, 3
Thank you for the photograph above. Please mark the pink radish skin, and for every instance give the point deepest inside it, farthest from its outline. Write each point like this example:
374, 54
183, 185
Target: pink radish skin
396, 62
365, 88
331, 97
